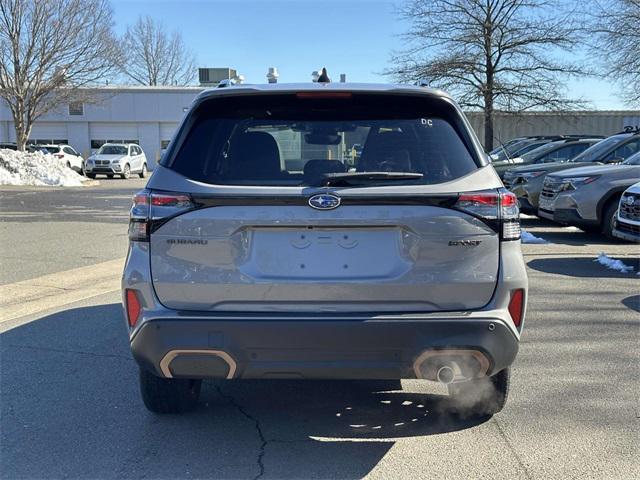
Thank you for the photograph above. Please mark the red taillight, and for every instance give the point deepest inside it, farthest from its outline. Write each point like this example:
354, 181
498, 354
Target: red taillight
516, 305
170, 200
154, 206
133, 307
509, 199
141, 198
498, 208
479, 198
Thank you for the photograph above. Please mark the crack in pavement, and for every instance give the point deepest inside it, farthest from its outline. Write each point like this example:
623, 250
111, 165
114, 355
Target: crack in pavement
512, 449
263, 440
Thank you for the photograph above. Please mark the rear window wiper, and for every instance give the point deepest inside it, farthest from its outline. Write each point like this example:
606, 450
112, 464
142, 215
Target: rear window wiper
351, 178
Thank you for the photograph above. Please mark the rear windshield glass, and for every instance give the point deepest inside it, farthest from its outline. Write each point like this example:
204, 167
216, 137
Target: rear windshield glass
51, 149
288, 140
112, 150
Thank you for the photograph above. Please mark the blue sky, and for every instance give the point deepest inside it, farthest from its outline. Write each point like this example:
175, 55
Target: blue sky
354, 37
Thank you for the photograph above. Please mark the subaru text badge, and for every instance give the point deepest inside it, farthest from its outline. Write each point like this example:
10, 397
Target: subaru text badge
324, 201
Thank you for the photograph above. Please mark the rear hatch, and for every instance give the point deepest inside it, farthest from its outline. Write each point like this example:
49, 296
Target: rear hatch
264, 205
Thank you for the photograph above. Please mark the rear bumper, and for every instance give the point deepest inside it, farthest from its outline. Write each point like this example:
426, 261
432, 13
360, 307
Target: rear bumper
318, 348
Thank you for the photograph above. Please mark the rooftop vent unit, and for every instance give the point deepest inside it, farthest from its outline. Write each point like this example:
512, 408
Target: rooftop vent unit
213, 76
272, 75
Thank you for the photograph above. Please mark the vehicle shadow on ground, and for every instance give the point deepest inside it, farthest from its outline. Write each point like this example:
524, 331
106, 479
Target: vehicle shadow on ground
583, 267
71, 408
565, 235
632, 302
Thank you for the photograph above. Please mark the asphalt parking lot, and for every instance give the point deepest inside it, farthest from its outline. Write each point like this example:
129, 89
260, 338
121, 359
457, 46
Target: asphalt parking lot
70, 406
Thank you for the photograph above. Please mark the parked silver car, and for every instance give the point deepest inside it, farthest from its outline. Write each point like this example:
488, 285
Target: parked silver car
588, 197
243, 264
122, 159
627, 224
527, 181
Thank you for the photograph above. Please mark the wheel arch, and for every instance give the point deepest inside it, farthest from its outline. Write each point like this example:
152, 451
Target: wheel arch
614, 193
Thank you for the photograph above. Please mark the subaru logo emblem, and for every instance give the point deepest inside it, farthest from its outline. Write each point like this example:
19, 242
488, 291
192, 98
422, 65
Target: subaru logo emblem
324, 201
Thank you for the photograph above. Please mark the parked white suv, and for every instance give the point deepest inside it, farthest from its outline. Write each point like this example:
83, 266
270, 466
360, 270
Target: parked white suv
73, 159
117, 159
627, 224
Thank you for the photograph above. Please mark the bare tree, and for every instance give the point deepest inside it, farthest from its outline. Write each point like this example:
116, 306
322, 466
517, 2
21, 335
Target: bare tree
154, 57
616, 24
48, 49
490, 54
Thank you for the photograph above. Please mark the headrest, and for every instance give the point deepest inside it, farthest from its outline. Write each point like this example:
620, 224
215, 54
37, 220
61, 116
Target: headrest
255, 155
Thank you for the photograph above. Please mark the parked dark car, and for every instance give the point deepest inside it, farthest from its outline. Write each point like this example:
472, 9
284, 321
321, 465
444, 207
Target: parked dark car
526, 181
508, 149
556, 151
507, 160
519, 148
32, 147
8, 146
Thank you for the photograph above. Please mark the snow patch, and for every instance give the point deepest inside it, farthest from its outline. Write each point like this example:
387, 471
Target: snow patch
613, 264
531, 238
36, 168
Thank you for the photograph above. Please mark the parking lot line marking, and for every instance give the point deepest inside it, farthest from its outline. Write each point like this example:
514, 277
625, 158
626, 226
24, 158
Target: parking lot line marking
54, 290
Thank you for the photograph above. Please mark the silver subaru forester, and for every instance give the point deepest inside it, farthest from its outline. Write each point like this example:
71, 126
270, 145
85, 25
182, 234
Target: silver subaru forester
266, 245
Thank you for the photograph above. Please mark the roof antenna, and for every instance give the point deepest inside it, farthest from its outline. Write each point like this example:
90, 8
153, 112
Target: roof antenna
324, 77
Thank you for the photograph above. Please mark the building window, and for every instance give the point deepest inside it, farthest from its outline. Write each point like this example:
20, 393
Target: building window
96, 144
164, 144
49, 141
76, 108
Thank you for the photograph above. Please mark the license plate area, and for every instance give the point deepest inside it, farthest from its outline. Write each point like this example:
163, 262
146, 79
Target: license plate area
327, 254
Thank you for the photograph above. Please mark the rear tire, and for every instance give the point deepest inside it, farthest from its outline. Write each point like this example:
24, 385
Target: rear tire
143, 172
109, 175
480, 397
168, 395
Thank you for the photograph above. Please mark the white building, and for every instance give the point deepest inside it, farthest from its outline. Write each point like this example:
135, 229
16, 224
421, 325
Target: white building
144, 115
149, 116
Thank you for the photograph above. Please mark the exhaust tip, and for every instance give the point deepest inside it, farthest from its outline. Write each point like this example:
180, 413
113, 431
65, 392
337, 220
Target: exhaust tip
450, 365
445, 375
